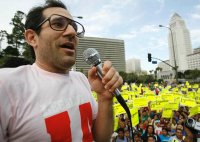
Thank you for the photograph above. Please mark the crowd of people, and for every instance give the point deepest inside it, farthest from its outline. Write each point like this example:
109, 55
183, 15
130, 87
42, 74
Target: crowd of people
152, 127
47, 101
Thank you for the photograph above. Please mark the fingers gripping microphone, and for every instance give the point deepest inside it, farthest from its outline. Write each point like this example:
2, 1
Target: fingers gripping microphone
92, 57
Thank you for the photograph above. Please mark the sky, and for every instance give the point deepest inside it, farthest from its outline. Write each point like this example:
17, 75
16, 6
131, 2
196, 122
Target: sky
134, 21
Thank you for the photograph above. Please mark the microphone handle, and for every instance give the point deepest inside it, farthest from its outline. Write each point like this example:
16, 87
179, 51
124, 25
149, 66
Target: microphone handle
119, 98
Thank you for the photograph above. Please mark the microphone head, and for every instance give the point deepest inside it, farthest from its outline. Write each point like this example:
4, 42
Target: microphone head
91, 57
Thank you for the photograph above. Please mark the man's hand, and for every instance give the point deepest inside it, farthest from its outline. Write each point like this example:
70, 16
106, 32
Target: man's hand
110, 81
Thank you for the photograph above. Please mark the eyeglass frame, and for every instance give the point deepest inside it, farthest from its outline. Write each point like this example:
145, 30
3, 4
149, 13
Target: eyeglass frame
80, 35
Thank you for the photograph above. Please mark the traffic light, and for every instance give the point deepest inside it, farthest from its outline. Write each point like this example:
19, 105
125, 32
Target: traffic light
149, 57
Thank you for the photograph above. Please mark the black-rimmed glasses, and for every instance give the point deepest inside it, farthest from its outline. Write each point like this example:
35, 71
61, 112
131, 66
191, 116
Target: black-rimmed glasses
60, 23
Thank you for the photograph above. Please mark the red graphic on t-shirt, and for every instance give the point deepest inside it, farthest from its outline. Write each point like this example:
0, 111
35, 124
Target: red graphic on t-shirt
86, 119
58, 126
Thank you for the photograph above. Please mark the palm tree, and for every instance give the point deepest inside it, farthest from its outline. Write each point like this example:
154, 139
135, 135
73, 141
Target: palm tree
158, 69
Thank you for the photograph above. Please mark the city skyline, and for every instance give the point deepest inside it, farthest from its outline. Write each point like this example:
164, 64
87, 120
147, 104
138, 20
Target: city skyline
134, 21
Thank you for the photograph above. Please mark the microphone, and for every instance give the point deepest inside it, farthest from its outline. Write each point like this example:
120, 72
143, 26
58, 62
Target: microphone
92, 57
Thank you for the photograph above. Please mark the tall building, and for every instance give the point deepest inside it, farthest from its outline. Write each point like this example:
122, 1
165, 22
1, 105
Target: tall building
133, 65
181, 42
109, 49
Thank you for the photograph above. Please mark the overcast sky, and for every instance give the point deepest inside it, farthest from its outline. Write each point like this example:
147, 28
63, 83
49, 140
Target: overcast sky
134, 21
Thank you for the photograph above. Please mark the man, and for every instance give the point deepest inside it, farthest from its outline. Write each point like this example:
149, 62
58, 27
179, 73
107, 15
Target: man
178, 137
164, 136
137, 137
121, 136
151, 139
46, 102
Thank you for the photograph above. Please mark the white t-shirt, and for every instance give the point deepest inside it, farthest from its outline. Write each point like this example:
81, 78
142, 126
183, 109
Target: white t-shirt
158, 130
40, 106
175, 139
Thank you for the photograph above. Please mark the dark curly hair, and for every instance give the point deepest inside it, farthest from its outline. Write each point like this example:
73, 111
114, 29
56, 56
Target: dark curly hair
35, 17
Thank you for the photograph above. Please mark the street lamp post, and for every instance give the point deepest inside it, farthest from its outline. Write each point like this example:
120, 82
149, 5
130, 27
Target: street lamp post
79, 17
175, 65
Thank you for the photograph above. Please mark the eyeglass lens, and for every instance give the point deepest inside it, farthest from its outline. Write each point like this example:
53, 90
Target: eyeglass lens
60, 23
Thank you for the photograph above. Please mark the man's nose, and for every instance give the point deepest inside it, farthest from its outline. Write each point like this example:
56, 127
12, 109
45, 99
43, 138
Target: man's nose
70, 31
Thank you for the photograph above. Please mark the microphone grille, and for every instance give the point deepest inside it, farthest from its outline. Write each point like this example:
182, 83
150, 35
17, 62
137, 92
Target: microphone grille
91, 56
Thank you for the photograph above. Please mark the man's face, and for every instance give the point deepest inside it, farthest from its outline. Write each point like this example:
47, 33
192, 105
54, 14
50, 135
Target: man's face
164, 132
136, 139
179, 134
158, 124
121, 134
141, 125
179, 126
52, 47
150, 130
126, 133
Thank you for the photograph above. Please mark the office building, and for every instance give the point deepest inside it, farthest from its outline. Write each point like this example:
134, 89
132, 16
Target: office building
109, 49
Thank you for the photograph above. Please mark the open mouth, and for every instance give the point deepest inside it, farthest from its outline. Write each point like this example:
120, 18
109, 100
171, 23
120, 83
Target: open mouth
68, 46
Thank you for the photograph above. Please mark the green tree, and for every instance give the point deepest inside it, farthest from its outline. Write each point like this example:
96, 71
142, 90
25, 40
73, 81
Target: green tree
196, 73
132, 77
142, 78
123, 75
13, 62
10, 51
151, 71
192, 74
149, 79
16, 38
187, 74
159, 69
181, 75
17, 45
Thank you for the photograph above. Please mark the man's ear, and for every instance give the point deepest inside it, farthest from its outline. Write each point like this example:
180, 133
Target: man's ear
31, 37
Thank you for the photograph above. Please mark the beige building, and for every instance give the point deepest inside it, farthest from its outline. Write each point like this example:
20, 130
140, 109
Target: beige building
181, 42
109, 49
194, 61
133, 65
164, 66
196, 50
166, 73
